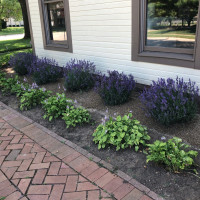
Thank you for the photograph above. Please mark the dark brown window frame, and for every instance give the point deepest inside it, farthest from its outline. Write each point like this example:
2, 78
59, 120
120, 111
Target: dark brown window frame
153, 55
55, 46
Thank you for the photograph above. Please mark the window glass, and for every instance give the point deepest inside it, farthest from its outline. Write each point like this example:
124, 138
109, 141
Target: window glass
171, 23
56, 16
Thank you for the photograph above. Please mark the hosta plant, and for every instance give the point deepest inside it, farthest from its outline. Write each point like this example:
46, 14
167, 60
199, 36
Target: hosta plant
79, 75
19, 88
172, 154
115, 88
76, 116
33, 97
6, 84
170, 101
55, 106
123, 132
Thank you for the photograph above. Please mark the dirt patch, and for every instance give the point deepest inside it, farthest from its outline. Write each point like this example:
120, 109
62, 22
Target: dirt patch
168, 185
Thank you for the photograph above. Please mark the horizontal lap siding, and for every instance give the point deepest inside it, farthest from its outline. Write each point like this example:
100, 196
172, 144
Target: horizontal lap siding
101, 32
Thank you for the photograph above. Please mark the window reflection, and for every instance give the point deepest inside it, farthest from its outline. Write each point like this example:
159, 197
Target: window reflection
172, 23
56, 17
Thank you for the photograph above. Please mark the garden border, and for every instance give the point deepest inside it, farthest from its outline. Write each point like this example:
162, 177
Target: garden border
85, 153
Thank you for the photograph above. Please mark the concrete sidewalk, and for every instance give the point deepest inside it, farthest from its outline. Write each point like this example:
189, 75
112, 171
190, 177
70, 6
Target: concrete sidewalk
11, 37
37, 164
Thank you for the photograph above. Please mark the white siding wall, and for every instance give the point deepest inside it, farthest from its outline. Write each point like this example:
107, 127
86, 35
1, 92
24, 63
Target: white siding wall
101, 32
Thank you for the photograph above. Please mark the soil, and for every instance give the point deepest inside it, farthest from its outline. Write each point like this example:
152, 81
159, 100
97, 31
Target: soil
171, 186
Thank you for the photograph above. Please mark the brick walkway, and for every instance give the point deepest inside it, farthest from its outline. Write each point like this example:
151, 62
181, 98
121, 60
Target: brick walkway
37, 164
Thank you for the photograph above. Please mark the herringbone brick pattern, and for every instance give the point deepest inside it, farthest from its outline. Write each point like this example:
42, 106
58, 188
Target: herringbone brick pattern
36, 166
37, 173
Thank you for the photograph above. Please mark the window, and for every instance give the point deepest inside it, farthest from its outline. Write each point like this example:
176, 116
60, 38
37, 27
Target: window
166, 32
56, 28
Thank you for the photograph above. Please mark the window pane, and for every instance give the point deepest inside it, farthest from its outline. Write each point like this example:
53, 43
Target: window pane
172, 23
56, 18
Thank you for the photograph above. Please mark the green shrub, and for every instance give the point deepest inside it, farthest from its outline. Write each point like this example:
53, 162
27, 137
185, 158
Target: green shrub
12, 85
5, 57
19, 88
74, 116
6, 84
33, 97
123, 132
55, 106
171, 154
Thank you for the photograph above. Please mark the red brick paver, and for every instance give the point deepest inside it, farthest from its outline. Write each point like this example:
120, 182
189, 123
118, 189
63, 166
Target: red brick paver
36, 166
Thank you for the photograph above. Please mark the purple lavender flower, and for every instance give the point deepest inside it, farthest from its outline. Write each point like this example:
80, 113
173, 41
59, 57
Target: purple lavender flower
170, 101
22, 62
115, 88
79, 75
45, 70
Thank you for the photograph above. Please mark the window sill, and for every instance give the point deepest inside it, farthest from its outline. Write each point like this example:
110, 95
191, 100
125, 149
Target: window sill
176, 56
57, 47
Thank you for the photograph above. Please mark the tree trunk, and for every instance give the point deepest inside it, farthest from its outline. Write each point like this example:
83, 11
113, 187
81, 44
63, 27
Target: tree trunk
0, 24
182, 22
189, 23
25, 19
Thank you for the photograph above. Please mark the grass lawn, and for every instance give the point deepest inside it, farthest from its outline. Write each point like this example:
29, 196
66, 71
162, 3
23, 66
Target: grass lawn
7, 45
12, 31
5, 57
167, 32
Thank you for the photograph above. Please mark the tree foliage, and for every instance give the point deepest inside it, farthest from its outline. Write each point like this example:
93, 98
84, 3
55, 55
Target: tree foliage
10, 8
173, 9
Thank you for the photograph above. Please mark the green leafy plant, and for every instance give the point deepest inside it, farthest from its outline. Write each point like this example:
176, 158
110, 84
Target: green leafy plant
6, 84
33, 97
123, 132
172, 154
74, 116
54, 106
19, 89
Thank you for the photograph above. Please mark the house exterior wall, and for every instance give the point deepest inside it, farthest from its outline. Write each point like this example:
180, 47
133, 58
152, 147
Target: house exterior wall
12, 22
101, 33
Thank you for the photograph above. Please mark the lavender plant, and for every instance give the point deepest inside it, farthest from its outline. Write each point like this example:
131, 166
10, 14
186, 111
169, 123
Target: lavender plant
45, 70
116, 88
170, 101
79, 75
21, 62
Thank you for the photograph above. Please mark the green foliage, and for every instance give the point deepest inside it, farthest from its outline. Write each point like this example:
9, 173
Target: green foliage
172, 154
12, 31
5, 57
12, 85
10, 8
123, 132
19, 89
6, 84
55, 106
74, 116
33, 97
17, 44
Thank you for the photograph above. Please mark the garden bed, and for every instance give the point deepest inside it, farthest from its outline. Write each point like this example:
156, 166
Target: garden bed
167, 184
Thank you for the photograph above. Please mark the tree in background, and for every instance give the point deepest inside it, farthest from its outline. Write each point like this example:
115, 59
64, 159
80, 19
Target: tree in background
187, 10
15, 9
162, 9
25, 18
10, 8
